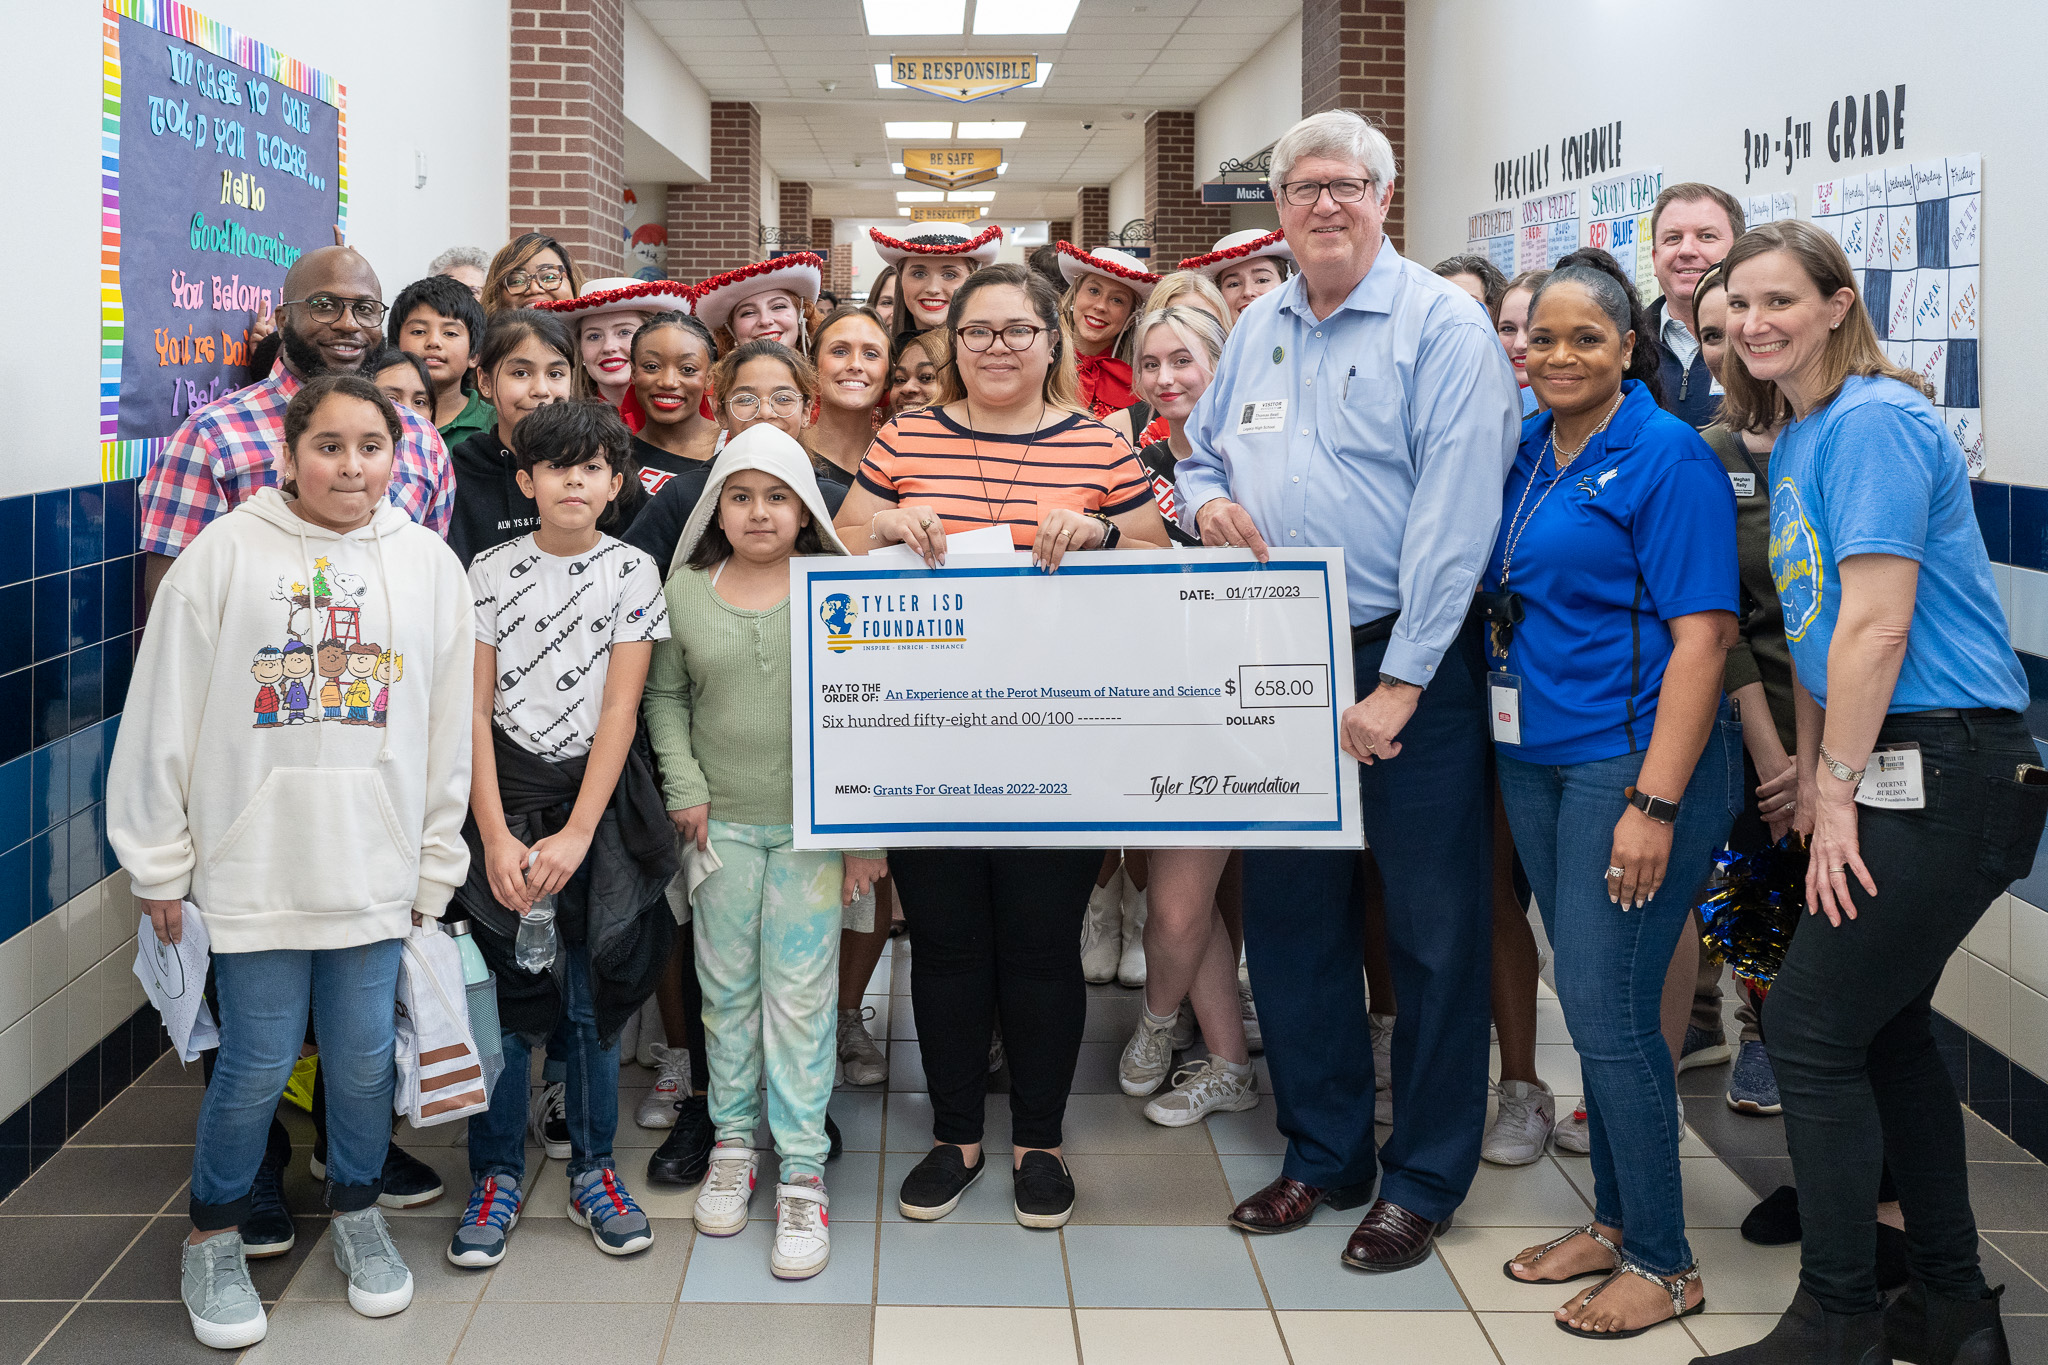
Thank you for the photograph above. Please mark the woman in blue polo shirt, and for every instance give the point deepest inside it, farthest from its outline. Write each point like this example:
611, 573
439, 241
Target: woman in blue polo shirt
1919, 786
1613, 589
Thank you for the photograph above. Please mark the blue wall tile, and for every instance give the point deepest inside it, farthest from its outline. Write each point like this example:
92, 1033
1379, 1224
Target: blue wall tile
52, 616
49, 871
88, 524
121, 519
17, 626
88, 685
88, 846
2037, 674
14, 892
17, 538
119, 605
49, 786
120, 662
50, 713
1994, 517
14, 803
88, 770
2029, 527
53, 531
16, 693
88, 606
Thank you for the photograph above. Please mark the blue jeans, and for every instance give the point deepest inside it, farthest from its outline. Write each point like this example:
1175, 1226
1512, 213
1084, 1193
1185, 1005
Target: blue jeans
1429, 820
497, 1138
264, 999
1611, 965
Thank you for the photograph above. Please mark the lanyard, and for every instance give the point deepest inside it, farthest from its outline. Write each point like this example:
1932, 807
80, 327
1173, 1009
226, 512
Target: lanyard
1518, 525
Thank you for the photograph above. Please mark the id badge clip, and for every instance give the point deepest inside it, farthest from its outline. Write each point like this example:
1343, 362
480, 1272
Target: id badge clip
1504, 707
1892, 780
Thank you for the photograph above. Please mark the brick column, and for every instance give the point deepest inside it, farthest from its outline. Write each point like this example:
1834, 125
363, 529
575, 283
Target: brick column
793, 215
1060, 230
716, 226
1354, 55
1182, 225
838, 258
569, 127
1091, 221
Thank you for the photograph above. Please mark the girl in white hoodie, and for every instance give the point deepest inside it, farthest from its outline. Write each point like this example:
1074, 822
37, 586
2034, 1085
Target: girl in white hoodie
308, 846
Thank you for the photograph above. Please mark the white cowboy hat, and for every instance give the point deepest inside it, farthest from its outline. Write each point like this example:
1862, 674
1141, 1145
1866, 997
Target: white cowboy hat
1239, 247
769, 448
1107, 261
801, 273
620, 295
940, 239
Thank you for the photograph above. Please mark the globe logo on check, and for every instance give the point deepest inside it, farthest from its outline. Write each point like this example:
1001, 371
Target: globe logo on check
837, 612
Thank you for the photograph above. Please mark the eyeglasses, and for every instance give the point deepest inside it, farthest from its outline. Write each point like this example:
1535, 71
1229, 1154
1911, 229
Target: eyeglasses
327, 308
781, 403
547, 277
1302, 193
1017, 336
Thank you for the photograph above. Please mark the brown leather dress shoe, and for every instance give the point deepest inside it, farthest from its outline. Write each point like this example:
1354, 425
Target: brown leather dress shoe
1287, 1204
1391, 1238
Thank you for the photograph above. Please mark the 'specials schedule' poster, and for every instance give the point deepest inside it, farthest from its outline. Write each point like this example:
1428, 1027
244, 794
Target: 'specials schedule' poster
222, 162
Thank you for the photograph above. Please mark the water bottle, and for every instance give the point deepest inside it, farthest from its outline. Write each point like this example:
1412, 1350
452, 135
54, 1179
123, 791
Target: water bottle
535, 949
480, 991
473, 968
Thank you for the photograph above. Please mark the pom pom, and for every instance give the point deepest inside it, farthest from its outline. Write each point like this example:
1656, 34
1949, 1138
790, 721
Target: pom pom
1752, 905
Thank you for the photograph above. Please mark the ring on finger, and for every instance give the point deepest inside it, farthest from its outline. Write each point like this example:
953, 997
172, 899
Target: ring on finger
1614, 872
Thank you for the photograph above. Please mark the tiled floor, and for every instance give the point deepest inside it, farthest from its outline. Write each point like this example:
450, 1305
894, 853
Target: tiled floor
1146, 1271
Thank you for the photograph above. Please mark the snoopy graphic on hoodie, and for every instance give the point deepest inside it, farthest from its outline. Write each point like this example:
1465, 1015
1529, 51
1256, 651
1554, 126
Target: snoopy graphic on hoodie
319, 828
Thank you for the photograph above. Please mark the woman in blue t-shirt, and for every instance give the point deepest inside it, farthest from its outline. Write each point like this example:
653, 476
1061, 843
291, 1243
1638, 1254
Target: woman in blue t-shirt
1918, 785
1613, 590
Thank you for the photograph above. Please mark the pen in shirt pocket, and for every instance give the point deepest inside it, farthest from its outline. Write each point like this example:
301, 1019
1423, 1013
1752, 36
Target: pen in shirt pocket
1347, 383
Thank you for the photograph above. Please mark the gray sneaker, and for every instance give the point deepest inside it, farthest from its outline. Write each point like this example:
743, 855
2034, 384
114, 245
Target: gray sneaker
378, 1282
1205, 1088
1146, 1058
598, 1201
223, 1304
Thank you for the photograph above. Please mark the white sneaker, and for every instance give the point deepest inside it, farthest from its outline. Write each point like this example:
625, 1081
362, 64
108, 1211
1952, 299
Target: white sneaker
865, 1064
1522, 1124
1183, 1034
802, 1242
1381, 1029
1249, 1012
652, 1034
1102, 942
549, 1120
1571, 1132
1130, 969
1146, 1058
728, 1188
658, 1107
1205, 1088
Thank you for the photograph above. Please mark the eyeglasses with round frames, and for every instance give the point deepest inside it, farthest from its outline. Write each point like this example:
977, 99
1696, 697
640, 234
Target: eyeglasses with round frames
547, 277
1302, 193
781, 403
328, 308
1018, 336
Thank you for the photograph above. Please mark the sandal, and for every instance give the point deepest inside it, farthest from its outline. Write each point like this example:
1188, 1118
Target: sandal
1675, 1287
1508, 1267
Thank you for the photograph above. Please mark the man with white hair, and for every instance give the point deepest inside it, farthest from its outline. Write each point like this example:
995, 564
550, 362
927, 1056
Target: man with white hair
1365, 404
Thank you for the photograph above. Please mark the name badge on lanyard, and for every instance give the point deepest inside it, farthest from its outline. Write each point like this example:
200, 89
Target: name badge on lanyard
1892, 779
1504, 707
1266, 415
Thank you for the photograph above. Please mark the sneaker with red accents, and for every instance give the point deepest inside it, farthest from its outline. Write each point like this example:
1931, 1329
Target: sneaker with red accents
728, 1188
479, 1239
803, 1239
1571, 1135
598, 1201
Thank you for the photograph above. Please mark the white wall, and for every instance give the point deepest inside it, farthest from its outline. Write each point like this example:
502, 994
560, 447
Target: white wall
1254, 105
667, 108
1470, 70
771, 200
441, 89
1126, 200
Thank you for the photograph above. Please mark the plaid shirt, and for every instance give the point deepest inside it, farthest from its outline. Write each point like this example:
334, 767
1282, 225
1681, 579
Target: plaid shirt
225, 452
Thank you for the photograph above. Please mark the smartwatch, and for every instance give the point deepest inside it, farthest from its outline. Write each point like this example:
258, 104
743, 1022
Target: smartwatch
1111, 533
1656, 807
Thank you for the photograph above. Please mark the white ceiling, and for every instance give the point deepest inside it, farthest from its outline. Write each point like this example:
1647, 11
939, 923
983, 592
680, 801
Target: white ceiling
1119, 60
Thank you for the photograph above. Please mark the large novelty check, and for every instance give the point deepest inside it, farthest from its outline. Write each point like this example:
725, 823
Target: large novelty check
1150, 698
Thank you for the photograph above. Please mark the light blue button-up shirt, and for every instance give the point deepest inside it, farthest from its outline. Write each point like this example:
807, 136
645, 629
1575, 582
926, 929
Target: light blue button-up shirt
1386, 429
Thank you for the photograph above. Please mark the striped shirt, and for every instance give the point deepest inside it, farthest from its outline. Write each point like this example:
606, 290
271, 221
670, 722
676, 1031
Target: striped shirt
976, 479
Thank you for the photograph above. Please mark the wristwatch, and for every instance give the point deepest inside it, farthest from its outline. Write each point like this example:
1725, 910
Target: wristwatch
1111, 534
1656, 807
1837, 769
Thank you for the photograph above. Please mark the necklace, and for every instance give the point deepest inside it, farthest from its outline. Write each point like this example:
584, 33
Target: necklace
1565, 457
975, 441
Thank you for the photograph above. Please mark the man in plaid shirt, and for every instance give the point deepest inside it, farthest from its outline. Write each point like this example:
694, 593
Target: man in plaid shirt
331, 319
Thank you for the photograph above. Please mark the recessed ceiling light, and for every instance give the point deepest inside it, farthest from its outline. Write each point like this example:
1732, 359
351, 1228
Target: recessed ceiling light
882, 81
1003, 169
904, 131
1022, 16
903, 213
918, 16
920, 196
970, 196
1044, 70
999, 131
896, 168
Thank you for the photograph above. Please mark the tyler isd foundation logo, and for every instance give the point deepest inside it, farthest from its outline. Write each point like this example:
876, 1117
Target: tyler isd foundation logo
837, 612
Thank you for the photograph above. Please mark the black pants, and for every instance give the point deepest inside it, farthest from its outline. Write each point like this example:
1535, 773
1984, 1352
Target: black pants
1847, 1017
998, 935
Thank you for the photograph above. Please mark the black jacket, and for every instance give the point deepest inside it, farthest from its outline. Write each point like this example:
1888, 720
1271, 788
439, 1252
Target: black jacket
1688, 390
614, 905
489, 508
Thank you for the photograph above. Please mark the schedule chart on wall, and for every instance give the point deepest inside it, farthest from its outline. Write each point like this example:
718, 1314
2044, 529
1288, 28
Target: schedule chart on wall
1618, 222
1491, 233
1913, 230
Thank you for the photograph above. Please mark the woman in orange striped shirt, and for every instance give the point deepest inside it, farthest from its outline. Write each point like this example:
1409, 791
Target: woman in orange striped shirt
998, 931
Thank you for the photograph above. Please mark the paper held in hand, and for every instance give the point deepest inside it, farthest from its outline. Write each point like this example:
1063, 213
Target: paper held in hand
174, 977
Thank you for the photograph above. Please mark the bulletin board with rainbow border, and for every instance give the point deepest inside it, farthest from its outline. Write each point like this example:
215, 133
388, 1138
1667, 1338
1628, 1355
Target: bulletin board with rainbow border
222, 161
